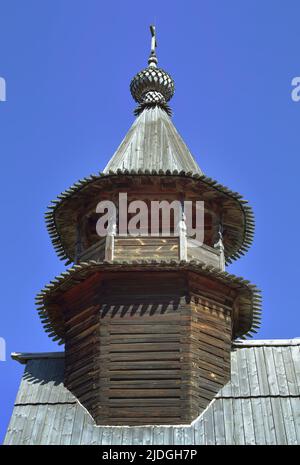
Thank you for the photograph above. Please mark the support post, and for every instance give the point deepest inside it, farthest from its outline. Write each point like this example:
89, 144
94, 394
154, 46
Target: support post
182, 229
110, 238
220, 246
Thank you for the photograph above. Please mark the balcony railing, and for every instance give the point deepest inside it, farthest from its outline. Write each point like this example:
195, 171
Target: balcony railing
204, 253
130, 248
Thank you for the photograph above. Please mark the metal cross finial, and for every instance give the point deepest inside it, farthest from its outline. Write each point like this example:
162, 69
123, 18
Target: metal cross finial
152, 59
153, 39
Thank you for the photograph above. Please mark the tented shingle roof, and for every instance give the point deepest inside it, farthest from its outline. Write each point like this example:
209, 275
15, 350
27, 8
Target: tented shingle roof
260, 405
153, 143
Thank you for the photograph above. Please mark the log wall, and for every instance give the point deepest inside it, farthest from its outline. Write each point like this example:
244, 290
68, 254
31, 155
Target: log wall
142, 349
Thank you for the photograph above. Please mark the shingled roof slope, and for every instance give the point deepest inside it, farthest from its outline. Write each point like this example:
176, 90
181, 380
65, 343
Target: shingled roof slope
260, 405
153, 143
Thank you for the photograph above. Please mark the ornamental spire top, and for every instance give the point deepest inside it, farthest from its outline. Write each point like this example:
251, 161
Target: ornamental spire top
152, 86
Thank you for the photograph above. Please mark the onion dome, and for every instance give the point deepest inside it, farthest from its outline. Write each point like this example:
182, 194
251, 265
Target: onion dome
152, 86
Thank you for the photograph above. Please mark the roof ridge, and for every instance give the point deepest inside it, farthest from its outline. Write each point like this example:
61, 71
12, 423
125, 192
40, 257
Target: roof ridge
268, 342
23, 357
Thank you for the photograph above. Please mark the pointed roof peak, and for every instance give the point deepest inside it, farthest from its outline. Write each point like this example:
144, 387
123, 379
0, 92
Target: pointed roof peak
153, 143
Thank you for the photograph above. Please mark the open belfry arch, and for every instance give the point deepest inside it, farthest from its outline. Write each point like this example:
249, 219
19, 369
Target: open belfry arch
148, 322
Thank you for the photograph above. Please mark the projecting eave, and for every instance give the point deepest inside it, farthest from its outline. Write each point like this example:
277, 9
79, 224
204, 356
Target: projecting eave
62, 214
50, 312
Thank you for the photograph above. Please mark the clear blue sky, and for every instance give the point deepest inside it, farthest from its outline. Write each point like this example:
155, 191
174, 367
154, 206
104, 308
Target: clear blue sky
68, 65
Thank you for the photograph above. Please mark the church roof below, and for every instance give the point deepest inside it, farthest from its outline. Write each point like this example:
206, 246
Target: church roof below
153, 143
260, 405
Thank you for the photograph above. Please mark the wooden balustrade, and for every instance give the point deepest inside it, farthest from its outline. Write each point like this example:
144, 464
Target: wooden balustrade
129, 248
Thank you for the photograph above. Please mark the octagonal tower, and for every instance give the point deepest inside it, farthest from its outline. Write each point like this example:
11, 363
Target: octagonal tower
148, 320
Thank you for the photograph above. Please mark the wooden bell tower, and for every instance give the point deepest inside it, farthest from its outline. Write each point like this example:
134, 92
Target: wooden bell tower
148, 321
